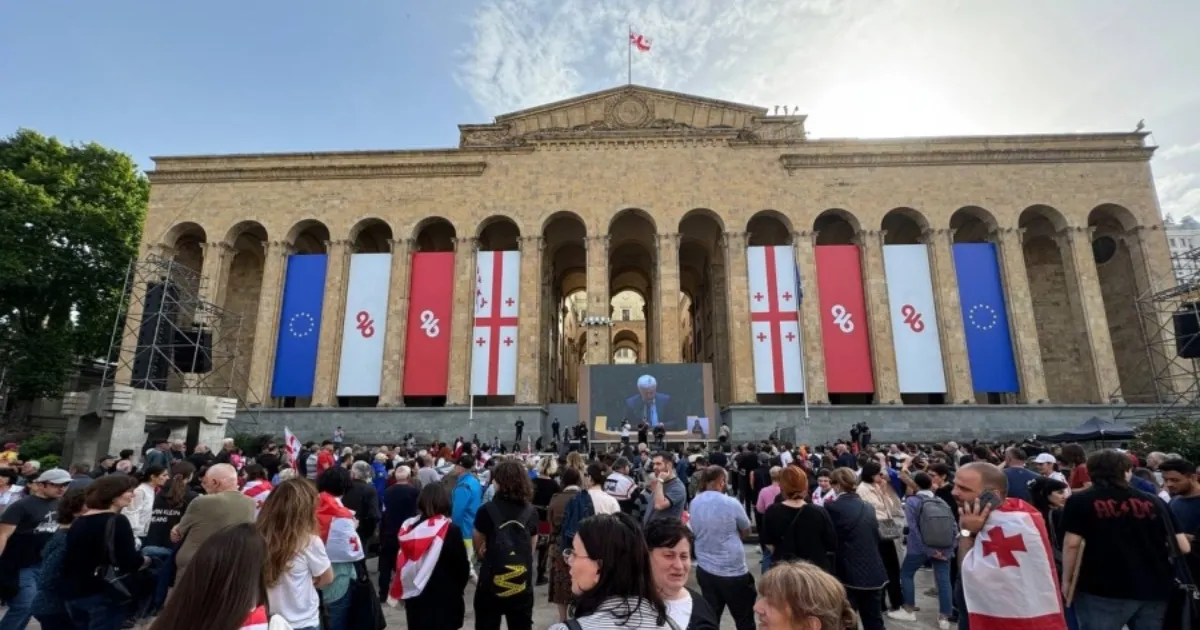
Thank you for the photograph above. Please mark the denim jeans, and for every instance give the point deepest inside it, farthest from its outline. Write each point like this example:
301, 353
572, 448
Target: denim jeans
1102, 613
765, 563
339, 612
20, 607
55, 622
166, 571
941, 576
97, 612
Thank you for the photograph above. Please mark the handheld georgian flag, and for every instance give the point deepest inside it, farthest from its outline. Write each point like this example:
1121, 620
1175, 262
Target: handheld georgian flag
291, 445
1008, 577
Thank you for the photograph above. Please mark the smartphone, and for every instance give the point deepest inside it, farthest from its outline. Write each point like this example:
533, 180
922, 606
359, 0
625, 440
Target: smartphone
987, 497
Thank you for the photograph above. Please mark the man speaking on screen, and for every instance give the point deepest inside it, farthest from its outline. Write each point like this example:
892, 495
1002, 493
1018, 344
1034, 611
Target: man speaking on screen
651, 406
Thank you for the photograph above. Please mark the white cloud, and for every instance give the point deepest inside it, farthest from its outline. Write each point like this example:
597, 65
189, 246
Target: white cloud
1179, 194
1178, 150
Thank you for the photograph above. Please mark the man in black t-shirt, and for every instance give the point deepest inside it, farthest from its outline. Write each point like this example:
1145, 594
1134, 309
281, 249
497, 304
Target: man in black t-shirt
25, 527
1124, 574
520, 428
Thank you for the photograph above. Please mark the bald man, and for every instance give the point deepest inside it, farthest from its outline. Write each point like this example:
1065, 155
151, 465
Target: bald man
221, 506
651, 406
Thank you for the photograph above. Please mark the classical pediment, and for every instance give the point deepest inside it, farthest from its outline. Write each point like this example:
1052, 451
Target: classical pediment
632, 112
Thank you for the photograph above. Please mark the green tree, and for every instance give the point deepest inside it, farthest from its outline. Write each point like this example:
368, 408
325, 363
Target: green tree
70, 221
1170, 435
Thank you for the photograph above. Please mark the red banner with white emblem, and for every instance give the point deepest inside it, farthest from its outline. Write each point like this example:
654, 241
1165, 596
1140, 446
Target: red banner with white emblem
430, 303
844, 320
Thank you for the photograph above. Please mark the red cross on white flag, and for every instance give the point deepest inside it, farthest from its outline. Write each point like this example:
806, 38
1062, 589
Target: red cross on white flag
639, 42
774, 327
494, 342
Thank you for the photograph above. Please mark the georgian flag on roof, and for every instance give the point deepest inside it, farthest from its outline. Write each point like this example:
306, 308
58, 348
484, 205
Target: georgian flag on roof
639, 41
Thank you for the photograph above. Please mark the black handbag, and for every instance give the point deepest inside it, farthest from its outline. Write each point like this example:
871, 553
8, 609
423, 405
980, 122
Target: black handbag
117, 584
1187, 597
366, 613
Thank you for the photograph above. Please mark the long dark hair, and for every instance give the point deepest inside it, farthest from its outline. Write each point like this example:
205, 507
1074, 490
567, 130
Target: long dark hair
615, 542
222, 584
433, 500
177, 488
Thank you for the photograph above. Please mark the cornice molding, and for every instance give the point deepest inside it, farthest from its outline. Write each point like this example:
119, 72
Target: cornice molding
310, 172
794, 161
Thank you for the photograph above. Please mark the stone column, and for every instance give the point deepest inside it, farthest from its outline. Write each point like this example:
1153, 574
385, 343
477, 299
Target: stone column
458, 387
883, 352
1075, 245
333, 317
529, 333
737, 295
391, 383
669, 343
720, 324
815, 386
1020, 314
214, 277
599, 339
266, 329
951, 333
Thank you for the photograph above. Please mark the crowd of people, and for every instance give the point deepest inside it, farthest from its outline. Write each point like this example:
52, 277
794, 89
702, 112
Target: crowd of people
1015, 536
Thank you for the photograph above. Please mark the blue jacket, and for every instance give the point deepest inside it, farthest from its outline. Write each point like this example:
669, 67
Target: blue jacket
380, 478
467, 496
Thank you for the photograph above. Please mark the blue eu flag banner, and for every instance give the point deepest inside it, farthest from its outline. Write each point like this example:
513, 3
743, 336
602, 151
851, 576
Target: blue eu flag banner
985, 319
299, 326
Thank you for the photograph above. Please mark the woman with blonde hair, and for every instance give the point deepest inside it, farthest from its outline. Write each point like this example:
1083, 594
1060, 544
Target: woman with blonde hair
296, 562
575, 460
799, 595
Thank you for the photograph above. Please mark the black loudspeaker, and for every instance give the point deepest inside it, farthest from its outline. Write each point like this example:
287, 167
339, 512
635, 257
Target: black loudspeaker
193, 351
152, 361
1187, 330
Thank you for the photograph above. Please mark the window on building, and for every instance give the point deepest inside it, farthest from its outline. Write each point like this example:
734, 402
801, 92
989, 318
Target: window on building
1172, 242
625, 314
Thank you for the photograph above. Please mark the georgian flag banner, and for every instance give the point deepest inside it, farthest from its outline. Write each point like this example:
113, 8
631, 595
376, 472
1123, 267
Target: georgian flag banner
1008, 576
494, 342
774, 327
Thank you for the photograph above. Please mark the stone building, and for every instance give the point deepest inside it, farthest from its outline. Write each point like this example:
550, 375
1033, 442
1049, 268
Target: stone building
657, 193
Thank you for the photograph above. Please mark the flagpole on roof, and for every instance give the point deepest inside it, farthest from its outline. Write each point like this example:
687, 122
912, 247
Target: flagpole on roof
471, 340
629, 53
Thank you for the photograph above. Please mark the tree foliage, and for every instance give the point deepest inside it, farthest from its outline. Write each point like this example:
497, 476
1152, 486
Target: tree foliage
70, 221
1171, 435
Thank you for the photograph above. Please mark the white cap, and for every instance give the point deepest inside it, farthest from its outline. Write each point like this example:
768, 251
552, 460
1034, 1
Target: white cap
1045, 458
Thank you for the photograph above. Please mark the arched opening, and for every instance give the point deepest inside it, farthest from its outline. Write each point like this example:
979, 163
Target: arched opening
844, 331
627, 347
904, 229
496, 234
371, 236
768, 228
703, 308
564, 295
240, 294
629, 316
633, 265
186, 246
433, 234
1115, 267
1056, 310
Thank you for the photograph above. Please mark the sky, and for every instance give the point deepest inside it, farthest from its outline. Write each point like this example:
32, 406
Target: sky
178, 78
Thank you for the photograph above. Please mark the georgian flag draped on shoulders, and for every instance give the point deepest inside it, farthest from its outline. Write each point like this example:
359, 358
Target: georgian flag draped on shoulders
420, 546
258, 491
1008, 576
338, 530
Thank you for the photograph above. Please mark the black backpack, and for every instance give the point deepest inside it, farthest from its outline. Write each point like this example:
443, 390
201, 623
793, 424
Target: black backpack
509, 555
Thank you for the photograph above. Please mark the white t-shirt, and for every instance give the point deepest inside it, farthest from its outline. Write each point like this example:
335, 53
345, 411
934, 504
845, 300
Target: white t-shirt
294, 597
602, 503
680, 610
785, 458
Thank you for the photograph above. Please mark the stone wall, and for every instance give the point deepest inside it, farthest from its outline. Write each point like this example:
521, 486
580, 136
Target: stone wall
912, 422
748, 422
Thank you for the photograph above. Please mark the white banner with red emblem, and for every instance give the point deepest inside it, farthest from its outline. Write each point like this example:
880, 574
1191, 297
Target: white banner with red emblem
494, 342
365, 325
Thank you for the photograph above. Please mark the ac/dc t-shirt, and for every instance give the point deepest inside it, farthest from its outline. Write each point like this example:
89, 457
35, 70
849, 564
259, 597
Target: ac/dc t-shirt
1125, 556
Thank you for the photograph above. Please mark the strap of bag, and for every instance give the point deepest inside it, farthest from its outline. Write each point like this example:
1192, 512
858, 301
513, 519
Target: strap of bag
110, 535
573, 624
1179, 559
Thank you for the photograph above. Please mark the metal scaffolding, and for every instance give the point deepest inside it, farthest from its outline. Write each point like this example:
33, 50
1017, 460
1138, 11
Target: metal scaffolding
1172, 389
167, 337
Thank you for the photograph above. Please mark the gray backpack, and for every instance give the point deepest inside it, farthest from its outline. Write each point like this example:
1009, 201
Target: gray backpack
936, 520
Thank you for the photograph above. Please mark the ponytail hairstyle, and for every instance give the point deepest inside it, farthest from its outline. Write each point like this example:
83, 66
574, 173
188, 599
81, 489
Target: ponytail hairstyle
177, 488
150, 472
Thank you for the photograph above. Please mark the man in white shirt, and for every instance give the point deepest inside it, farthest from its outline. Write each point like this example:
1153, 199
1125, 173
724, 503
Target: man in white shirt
1044, 463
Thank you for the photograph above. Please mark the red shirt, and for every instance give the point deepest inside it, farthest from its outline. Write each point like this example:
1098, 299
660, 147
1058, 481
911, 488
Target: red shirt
257, 620
1079, 476
324, 461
